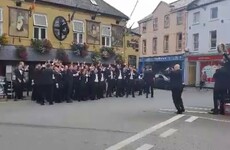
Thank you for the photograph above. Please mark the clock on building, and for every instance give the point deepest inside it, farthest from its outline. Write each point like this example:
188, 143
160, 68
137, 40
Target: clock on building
60, 28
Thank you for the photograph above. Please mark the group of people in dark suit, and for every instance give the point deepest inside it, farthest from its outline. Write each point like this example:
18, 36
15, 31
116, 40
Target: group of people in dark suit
55, 82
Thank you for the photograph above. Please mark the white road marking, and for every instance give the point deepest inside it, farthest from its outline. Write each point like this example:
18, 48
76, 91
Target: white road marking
145, 147
168, 133
191, 119
198, 108
189, 111
143, 133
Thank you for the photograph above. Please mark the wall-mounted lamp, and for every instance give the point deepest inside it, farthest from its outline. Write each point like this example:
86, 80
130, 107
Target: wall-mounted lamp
94, 16
71, 17
19, 2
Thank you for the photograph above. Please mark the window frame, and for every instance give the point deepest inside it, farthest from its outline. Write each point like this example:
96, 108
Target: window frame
179, 42
39, 33
166, 44
144, 27
211, 13
211, 40
196, 42
34, 21
155, 24
167, 25
78, 32
94, 2
106, 37
144, 46
196, 20
154, 44
180, 16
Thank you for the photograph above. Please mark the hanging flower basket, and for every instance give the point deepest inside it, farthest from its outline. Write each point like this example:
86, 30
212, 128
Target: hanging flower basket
4, 39
21, 52
41, 46
80, 49
119, 59
96, 57
107, 52
62, 55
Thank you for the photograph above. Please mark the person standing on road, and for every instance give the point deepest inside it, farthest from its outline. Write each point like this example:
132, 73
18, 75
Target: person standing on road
149, 81
176, 84
203, 79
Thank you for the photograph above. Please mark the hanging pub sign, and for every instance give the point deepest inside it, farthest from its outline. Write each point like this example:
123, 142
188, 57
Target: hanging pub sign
60, 28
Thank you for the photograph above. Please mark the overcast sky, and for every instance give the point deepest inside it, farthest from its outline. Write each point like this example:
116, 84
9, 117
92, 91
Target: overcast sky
144, 8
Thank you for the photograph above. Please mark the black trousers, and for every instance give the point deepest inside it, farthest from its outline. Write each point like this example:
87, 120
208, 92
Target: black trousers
47, 93
218, 98
130, 88
149, 89
102, 88
18, 88
120, 87
111, 85
177, 100
95, 91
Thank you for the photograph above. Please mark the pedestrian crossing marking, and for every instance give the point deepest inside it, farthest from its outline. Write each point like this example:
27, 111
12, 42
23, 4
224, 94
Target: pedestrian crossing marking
168, 133
191, 119
145, 147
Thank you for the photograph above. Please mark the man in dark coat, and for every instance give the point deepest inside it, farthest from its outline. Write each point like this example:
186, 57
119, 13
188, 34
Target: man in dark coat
47, 84
176, 84
149, 81
220, 89
19, 81
131, 79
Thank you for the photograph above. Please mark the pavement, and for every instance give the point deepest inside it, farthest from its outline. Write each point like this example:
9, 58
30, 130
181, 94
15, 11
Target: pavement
115, 124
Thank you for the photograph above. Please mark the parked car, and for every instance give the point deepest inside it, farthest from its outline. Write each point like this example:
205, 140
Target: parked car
162, 82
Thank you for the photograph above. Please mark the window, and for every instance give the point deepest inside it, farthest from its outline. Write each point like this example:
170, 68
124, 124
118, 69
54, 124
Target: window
93, 2
196, 18
166, 21
144, 27
1, 21
106, 36
180, 18
179, 41
144, 50
78, 30
213, 39
155, 24
154, 45
40, 33
214, 13
166, 43
196, 41
40, 26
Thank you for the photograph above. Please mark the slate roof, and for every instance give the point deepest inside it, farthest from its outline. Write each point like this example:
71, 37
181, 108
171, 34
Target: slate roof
180, 4
147, 18
136, 30
102, 7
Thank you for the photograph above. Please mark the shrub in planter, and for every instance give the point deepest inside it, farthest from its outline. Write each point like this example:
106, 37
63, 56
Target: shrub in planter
61, 55
41, 46
119, 59
80, 49
107, 52
96, 57
21, 52
4, 39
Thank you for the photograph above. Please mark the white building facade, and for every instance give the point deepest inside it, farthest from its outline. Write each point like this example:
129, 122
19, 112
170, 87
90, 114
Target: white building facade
208, 24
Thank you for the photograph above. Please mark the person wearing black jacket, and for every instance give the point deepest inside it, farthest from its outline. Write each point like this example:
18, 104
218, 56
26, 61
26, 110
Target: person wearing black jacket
69, 84
47, 84
110, 76
131, 78
149, 81
119, 81
19, 81
220, 89
176, 84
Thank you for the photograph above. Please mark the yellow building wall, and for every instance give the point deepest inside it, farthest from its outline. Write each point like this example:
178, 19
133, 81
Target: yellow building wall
129, 50
52, 12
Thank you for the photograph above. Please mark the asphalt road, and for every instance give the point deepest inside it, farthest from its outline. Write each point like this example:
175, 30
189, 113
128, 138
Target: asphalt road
115, 123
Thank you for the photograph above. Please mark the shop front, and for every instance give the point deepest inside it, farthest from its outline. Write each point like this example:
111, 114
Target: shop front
198, 65
160, 63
